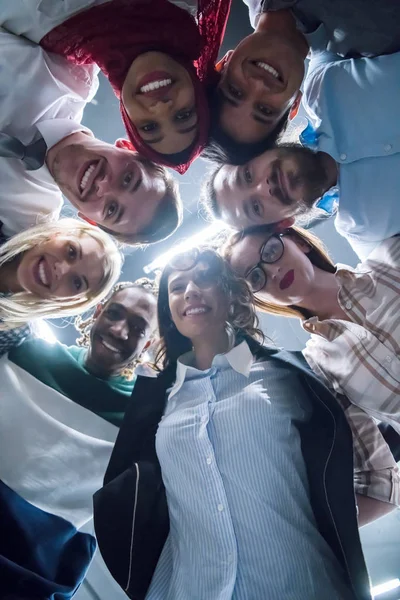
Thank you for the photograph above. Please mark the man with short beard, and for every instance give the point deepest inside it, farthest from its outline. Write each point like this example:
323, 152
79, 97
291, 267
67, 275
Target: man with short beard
61, 411
46, 153
286, 182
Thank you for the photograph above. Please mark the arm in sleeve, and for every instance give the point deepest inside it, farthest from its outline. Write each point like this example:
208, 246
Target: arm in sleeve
11, 338
376, 474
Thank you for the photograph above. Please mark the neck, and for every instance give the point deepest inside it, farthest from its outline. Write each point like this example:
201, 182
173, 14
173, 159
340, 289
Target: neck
98, 370
8, 277
206, 349
322, 301
284, 23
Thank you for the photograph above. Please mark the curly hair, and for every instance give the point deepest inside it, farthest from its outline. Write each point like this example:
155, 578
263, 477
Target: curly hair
84, 326
242, 316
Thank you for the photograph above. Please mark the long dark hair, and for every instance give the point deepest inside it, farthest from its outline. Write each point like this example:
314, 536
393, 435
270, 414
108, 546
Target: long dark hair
242, 317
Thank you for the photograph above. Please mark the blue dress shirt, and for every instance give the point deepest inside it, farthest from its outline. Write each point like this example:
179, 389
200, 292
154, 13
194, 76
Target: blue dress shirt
241, 524
354, 107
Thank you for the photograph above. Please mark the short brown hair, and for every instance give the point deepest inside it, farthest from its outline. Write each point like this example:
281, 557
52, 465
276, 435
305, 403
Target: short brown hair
168, 216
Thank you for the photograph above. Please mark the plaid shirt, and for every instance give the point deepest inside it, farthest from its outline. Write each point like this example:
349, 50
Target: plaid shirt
360, 358
10, 338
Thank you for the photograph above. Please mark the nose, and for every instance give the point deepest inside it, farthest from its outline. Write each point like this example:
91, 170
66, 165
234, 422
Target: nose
102, 186
273, 271
192, 291
161, 107
61, 268
120, 330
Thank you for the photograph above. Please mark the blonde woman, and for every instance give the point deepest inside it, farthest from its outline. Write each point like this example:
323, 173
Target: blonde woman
352, 316
53, 270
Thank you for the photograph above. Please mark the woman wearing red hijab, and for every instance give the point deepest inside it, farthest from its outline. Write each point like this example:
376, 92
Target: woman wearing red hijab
158, 58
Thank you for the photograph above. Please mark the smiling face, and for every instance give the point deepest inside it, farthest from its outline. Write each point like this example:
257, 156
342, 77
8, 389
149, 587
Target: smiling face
259, 84
109, 185
288, 281
277, 184
121, 331
62, 267
159, 97
198, 304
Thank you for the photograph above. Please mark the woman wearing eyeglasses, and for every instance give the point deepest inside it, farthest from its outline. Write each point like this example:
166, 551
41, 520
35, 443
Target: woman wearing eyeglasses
351, 314
232, 475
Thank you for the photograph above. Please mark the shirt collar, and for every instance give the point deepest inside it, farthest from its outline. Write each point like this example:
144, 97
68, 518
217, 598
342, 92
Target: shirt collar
55, 130
239, 358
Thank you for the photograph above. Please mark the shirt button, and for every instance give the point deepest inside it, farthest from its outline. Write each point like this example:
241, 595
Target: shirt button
204, 419
343, 156
209, 461
388, 359
220, 507
388, 147
348, 305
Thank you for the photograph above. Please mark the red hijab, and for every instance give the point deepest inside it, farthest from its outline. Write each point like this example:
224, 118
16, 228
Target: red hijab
113, 34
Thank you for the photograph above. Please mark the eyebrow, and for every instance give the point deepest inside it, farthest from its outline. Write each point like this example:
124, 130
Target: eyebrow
182, 131
188, 129
228, 99
236, 104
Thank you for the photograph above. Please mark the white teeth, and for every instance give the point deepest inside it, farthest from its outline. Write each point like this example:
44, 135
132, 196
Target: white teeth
196, 311
154, 85
268, 68
86, 176
109, 346
42, 274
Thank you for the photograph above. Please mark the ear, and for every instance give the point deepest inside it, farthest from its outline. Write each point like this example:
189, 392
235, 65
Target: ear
296, 105
97, 311
124, 144
221, 64
82, 216
284, 224
147, 345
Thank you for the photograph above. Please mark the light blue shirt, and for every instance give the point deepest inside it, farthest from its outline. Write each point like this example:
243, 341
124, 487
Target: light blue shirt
241, 523
354, 106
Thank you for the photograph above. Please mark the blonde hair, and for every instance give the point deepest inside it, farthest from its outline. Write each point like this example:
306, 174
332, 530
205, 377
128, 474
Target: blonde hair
318, 255
18, 308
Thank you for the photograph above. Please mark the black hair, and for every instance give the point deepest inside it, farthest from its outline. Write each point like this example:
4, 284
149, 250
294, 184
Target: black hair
222, 148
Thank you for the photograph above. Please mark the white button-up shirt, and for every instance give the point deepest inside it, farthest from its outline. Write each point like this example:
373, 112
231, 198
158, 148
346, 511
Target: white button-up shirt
40, 94
241, 523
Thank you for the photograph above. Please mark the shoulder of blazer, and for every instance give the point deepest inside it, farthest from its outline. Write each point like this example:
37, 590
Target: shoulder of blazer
144, 411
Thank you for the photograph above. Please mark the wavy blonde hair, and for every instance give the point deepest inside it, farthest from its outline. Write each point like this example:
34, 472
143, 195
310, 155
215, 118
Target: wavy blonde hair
18, 308
318, 255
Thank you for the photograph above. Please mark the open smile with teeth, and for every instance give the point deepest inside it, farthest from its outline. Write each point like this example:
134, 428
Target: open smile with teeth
110, 347
198, 310
42, 274
86, 177
155, 85
268, 68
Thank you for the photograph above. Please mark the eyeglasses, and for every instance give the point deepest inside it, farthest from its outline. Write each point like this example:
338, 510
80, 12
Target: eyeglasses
188, 260
270, 252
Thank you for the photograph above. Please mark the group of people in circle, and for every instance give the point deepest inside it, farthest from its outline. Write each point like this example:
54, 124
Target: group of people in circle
221, 439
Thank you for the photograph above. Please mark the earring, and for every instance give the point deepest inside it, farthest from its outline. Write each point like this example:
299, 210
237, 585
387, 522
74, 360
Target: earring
230, 332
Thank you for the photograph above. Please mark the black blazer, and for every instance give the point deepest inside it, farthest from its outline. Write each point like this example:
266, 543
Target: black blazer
131, 513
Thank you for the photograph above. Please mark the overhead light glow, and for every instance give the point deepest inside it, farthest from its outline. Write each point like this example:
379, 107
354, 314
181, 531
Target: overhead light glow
198, 239
385, 587
44, 331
